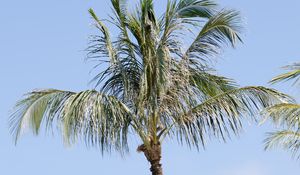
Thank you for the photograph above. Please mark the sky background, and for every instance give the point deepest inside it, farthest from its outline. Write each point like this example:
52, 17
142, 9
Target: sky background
41, 46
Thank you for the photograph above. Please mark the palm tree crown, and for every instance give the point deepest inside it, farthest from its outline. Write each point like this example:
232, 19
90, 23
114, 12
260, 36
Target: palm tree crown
286, 115
151, 85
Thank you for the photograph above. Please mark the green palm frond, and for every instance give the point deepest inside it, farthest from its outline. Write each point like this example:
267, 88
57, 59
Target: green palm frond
221, 113
125, 45
120, 6
195, 8
222, 28
135, 27
178, 15
100, 120
284, 114
103, 44
293, 73
285, 139
209, 84
123, 74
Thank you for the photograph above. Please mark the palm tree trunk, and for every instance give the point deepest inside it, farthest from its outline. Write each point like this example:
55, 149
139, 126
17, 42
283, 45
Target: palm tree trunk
153, 155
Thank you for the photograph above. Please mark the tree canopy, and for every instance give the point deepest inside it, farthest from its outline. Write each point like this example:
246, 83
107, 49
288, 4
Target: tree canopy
156, 81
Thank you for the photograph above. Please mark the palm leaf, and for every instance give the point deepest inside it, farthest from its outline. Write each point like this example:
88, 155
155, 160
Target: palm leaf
179, 14
224, 112
284, 114
222, 28
102, 44
285, 139
294, 72
98, 119
195, 8
209, 84
122, 76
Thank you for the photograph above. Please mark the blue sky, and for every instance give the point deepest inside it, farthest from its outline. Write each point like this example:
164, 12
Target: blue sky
41, 46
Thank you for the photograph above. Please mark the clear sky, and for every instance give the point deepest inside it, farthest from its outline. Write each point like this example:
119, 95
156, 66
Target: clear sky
41, 46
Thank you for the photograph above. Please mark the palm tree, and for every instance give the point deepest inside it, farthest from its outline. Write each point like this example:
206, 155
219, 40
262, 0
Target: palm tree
286, 115
151, 86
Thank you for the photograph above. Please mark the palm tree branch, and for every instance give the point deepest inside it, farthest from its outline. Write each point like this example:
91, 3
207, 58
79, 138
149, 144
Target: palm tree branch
101, 120
284, 114
286, 76
103, 41
222, 28
181, 13
286, 139
121, 11
209, 84
223, 112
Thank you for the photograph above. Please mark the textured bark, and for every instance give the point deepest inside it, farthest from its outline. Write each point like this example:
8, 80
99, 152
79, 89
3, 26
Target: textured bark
153, 155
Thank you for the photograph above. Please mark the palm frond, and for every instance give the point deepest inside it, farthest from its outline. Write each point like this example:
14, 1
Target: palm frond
120, 7
122, 76
135, 27
195, 8
98, 119
285, 139
293, 73
179, 14
125, 45
284, 114
221, 29
224, 112
209, 84
102, 44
